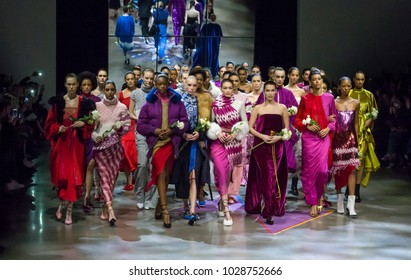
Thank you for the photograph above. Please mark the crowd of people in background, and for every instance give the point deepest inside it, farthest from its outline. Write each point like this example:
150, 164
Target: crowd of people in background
194, 26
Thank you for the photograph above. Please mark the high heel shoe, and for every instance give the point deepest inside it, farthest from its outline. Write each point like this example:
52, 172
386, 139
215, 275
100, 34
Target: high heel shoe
111, 217
320, 206
269, 221
104, 213
227, 221
220, 210
193, 218
68, 220
157, 214
87, 206
314, 211
59, 211
326, 203
166, 216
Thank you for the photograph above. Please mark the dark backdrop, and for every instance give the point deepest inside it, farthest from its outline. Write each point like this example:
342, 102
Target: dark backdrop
81, 37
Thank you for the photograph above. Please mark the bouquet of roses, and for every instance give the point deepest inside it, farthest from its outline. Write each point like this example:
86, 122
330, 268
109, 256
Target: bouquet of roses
202, 125
309, 121
292, 110
372, 115
90, 119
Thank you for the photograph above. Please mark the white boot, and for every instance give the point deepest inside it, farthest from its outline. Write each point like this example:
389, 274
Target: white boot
350, 206
340, 203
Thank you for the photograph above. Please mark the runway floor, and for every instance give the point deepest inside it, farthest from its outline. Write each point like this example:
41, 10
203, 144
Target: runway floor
382, 230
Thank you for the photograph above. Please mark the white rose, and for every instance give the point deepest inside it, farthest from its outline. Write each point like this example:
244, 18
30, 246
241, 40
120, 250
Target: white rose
95, 115
180, 125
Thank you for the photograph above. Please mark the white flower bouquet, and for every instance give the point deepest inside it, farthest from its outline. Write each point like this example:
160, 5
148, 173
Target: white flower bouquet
372, 115
292, 110
178, 124
309, 121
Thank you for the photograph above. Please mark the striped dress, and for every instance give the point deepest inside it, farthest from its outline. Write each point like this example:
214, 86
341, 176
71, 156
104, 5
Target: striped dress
109, 153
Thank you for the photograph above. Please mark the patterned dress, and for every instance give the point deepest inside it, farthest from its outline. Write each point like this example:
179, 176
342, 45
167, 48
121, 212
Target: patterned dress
344, 148
109, 153
228, 155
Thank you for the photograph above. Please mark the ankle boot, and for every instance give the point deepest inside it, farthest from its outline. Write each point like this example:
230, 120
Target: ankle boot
350, 206
357, 193
340, 203
346, 192
294, 190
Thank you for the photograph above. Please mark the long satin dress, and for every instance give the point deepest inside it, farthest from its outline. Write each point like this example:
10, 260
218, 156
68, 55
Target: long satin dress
267, 178
366, 142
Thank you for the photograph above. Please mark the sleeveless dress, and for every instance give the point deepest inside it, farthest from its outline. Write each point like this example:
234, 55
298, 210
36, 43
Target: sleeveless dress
268, 175
190, 33
344, 148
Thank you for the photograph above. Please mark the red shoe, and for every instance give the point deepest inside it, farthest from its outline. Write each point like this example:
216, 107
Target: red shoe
326, 203
128, 187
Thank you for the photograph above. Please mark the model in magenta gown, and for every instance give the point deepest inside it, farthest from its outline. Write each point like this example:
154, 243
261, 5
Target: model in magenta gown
267, 177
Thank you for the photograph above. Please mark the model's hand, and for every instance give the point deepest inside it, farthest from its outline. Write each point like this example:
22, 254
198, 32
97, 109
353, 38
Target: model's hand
192, 137
221, 136
77, 124
367, 123
324, 132
157, 131
313, 128
115, 128
62, 129
230, 137
165, 133
267, 139
99, 139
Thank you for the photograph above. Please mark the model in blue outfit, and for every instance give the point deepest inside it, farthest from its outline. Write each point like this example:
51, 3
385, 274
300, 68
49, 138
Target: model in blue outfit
125, 32
160, 16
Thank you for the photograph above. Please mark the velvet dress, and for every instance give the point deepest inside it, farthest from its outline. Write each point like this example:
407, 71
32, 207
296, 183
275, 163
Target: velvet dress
267, 177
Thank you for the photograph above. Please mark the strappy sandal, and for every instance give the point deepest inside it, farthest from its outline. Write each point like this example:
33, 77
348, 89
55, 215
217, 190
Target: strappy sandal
111, 217
166, 216
227, 222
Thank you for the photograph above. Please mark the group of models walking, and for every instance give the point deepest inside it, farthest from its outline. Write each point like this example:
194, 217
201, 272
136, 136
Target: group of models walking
159, 134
